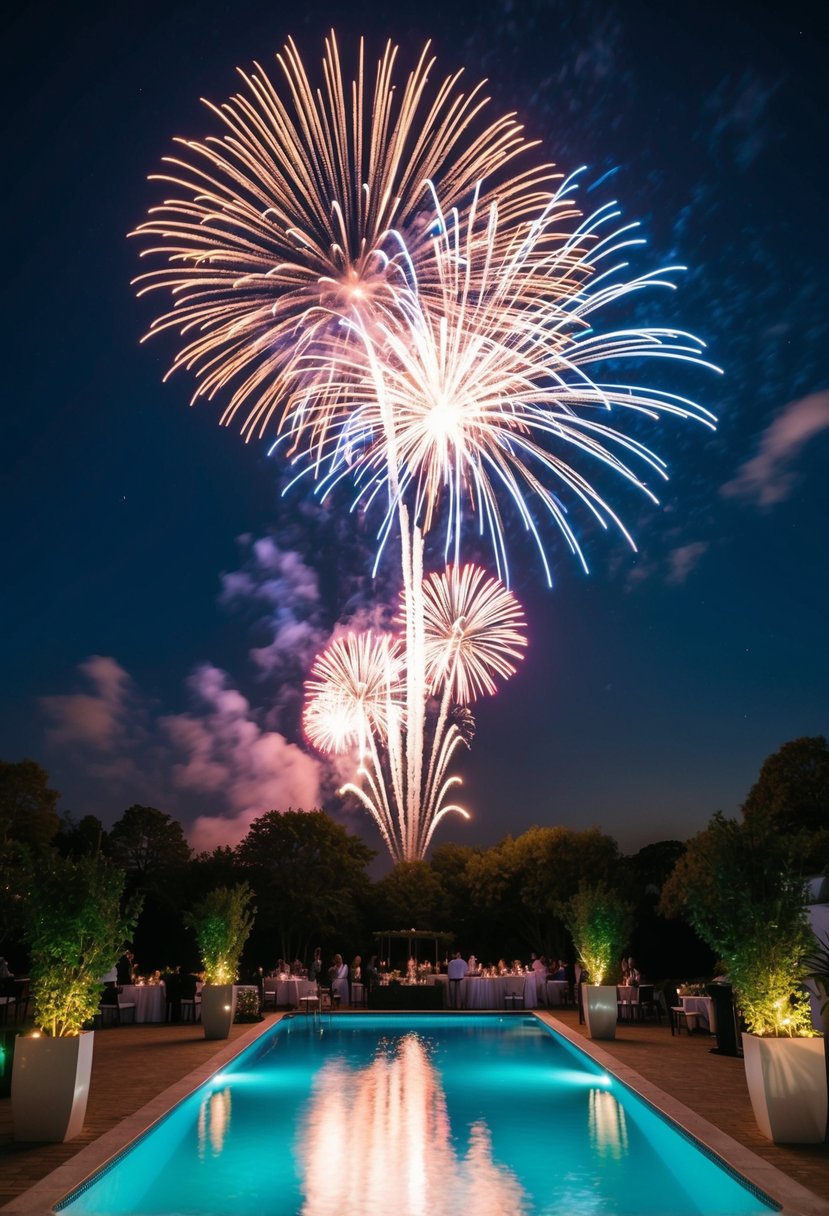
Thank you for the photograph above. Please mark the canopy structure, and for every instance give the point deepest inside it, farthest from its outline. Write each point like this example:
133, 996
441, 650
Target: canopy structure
388, 939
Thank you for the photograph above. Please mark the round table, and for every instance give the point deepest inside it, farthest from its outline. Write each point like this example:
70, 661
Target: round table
150, 1001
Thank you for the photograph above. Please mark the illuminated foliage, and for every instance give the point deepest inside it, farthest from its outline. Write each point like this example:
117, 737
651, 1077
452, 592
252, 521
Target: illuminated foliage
600, 922
76, 930
740, 887
222, 922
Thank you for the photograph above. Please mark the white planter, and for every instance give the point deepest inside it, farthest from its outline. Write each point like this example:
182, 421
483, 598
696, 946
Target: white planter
787, 1086
217, 1010
600, 1010
50, 1086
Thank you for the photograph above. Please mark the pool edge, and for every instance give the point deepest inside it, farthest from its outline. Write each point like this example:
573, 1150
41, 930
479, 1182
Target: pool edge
41, 1198
794, 1198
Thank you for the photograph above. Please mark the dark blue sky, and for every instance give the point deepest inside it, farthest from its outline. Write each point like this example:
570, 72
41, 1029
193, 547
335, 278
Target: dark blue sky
655, 686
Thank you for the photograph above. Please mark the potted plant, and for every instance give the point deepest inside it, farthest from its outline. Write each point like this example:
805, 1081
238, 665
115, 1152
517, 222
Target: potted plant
75, 928
599, 922
743, 892
222, 922
817, 970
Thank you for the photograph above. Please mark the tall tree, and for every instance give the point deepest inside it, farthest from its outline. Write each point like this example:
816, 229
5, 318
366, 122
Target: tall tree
791, 795
28, 823
149, 845
523, 884
83, 838
309, 875
411, 896
28, 807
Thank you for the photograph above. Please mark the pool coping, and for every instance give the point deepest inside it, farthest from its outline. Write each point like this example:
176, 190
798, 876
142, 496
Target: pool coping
41, 1198
794, 1198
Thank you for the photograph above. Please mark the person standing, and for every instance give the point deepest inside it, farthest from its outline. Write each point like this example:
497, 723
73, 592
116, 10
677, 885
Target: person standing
339, 981
124, 968
456, 971
539, 966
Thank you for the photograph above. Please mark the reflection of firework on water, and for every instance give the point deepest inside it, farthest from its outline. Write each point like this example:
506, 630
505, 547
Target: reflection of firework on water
373, 692
300, 210
474, 631
492, 394
354, 687
394, 1111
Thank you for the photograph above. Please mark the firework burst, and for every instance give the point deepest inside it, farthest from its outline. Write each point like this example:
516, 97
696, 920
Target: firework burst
353, 691
493, 397
304, 209
474, 633
362, 694
359, 271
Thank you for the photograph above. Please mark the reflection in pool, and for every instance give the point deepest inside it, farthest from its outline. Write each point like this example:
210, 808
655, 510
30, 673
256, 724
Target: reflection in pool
393, 1111
421, 1115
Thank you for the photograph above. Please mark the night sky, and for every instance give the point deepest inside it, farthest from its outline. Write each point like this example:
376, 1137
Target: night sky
161, 601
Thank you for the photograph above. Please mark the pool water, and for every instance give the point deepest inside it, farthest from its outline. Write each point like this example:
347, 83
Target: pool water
420, 1116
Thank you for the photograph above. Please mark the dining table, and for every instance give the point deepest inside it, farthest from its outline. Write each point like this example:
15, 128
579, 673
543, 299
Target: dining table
150, 1001
627, 997
490, 991
287, 991
703, 1007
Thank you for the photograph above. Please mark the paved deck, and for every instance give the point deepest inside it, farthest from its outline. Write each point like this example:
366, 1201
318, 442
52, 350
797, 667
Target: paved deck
134, 1064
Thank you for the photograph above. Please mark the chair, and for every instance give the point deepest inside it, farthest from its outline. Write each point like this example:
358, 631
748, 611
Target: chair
172, 986
514, 1000
677, 1012
125, 1007
190, 1001
111, 1008
649, 1004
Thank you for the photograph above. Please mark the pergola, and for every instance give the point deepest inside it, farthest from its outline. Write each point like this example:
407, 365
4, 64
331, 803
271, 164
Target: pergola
413, 938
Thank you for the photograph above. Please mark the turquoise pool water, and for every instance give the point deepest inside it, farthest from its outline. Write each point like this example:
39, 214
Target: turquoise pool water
417, 1116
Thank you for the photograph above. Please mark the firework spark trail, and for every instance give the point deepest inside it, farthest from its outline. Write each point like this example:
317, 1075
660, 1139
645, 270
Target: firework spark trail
490, 397
464, 632
343, 275
301, 210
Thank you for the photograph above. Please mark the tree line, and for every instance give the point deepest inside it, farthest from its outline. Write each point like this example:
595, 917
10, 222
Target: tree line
312, 887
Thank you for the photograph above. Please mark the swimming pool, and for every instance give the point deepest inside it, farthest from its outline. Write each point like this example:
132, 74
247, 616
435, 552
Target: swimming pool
419, 1115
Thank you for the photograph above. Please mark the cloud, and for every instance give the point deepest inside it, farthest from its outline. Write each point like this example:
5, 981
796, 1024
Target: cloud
94, 719
768, 477
283, 591
682, 560
224, 751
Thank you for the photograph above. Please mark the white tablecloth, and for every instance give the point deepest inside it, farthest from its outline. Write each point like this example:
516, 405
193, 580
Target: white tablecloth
150, 1001
289, 992
704, 1006
488, 992
556, 991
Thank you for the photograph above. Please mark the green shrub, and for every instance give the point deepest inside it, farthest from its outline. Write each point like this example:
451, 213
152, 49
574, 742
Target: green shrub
599, 921
222, 922
75, 930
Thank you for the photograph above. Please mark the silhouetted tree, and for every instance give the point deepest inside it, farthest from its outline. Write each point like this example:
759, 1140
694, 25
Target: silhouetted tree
791, 796
309, 875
